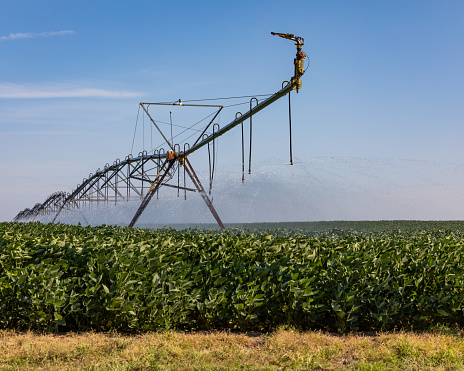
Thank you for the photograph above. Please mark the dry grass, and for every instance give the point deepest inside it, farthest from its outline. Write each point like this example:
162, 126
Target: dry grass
282, 349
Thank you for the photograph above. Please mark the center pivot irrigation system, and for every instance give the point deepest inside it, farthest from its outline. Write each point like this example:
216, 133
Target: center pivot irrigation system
141, 177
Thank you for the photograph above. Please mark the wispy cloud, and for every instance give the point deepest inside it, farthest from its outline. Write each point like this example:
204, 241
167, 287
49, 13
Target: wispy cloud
32, 35
47, 133
54, 90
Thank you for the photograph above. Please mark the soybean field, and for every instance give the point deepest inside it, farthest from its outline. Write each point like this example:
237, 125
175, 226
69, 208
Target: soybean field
334, 276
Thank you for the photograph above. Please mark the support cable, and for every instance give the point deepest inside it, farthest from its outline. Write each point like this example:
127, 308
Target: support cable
143, 132
243, 96
170, 119
135, 130
191, 127
178, 126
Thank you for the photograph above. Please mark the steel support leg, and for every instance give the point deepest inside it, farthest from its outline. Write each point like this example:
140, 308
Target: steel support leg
82, 214
59, 210
78, 208
196, 182
154, 187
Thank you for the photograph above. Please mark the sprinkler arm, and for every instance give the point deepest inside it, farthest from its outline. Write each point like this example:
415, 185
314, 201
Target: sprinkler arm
299, 60
299, 40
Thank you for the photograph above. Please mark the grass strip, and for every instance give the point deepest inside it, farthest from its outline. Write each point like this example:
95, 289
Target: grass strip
170, 350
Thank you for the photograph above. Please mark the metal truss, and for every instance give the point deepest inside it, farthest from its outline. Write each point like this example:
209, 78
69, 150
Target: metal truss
133, 177
51, 205
142, 177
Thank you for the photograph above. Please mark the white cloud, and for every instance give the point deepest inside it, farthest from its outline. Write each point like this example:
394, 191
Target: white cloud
34, 133
54, 90
32, 35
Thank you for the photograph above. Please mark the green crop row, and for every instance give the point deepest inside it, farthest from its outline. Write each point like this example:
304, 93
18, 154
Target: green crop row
61, 277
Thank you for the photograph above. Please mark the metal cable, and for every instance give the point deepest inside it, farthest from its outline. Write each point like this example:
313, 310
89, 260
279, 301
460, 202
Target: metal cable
243, 96
199, 130
177, 126
189, 128
135, 130
143, 132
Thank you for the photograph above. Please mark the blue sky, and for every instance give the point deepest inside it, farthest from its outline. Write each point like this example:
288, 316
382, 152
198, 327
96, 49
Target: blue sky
386, 80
